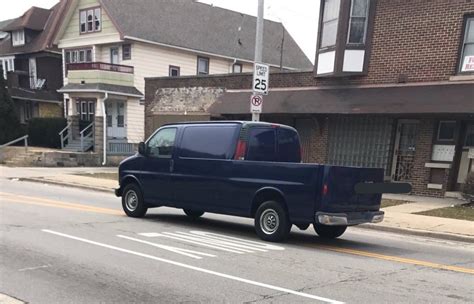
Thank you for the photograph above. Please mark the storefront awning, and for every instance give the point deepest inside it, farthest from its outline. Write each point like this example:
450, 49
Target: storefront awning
402, 99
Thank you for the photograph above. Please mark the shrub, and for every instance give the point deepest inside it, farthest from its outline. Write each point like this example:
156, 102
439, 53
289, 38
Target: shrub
10, 127
468, 186
43, 132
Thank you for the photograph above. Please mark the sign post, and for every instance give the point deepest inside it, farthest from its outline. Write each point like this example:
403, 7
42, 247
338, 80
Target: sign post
261, 89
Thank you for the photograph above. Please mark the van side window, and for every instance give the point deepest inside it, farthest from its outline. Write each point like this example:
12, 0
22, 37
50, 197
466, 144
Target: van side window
289, 149
162, 143
208, 142
262, 144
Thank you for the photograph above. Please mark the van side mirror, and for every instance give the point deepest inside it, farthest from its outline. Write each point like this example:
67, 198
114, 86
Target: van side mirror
142, 148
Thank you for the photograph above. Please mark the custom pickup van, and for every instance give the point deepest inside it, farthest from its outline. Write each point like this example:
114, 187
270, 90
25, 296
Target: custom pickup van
248, 169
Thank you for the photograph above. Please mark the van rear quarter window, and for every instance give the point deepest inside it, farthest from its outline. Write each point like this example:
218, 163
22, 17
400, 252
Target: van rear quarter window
208, 142
289, 149
262, 144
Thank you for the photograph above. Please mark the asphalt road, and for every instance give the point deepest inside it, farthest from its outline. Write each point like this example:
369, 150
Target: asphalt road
63, 245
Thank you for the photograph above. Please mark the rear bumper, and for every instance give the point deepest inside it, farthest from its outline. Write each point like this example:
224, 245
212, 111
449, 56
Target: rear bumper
348, 218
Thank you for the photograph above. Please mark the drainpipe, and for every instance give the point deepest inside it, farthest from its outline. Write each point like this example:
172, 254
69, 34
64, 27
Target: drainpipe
104, 127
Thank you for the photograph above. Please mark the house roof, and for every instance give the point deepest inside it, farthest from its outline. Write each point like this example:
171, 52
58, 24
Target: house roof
101, 88
446, 98
3, 24
201, 27
38, 19
36, 95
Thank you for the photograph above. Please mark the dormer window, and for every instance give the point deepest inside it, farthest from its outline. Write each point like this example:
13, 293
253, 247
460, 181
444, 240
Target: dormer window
344, 37
90, 20
18, 38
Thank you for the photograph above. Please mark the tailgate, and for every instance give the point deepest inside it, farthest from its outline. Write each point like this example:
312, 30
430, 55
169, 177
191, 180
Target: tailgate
338, 193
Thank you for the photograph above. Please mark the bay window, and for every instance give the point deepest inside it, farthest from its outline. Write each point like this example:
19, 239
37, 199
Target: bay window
358, 21
330, 23
467, 54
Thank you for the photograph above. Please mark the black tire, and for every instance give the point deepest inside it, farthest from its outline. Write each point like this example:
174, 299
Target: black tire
329, 232
271, 222
193, 213
132, 201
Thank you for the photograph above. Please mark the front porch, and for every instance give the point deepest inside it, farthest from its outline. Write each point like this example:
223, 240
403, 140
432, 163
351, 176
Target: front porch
103, 109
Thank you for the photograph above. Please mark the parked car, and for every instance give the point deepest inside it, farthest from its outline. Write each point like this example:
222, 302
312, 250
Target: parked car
249, 169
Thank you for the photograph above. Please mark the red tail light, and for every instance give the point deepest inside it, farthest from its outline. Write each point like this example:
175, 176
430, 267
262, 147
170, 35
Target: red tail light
240, 151
325, 189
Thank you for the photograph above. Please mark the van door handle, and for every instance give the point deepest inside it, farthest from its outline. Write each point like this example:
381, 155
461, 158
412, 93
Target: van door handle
171, 165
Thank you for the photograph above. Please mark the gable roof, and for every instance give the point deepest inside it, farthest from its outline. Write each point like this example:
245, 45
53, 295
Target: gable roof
41, 20
3, 24
201, 27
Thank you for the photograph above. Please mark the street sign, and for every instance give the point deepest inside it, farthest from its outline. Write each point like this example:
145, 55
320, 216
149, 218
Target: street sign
260, 78
256, 102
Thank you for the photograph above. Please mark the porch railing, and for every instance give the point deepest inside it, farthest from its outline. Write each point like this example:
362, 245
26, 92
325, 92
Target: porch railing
65, 134
121, 148
23, 138
87, 136
100, 66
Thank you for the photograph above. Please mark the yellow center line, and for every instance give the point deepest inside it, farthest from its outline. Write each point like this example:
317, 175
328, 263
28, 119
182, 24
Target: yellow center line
30, 200
23, 199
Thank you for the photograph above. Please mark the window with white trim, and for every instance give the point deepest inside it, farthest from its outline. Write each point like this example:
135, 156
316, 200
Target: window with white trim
237, 68
174, 71
90, 20
203, 66
18, 38
78, 56
8, 65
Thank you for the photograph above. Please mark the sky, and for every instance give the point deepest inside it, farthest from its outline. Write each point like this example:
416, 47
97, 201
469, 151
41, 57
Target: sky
300, 17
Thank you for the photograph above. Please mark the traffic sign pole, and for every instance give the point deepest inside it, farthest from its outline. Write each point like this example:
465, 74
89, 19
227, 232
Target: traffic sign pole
258, 44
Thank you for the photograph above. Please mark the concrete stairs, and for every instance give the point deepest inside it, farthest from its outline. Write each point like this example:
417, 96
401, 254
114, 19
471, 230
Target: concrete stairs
75, 145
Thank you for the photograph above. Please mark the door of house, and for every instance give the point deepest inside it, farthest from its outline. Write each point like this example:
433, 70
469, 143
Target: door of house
114, 55
466, 163
86, 111
405, 149
116, 119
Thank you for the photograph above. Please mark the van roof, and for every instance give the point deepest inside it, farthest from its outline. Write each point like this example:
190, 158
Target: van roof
236, 122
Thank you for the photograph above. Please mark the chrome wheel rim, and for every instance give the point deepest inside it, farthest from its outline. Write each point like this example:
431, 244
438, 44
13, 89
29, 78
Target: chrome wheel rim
269, 221
131, 200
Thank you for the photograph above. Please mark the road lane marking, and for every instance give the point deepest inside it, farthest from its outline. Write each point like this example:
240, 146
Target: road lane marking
32, 200
185, 252
397, 259
199, 269
152, 234
33, 268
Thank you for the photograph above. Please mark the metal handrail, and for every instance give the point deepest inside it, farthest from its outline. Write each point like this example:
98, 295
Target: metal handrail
61, 134
91, 134
25, 138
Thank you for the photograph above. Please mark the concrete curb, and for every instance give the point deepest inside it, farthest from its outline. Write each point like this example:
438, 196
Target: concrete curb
64, 184
377, 227
424, 233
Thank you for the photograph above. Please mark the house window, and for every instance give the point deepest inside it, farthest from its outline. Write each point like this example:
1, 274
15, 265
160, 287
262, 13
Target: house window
174, 71
90, 20
237, 68
18, 38
8, 65
126, 52
78, 56
330, 21
203, 66
358, 21
446, 131
85, 110
467, 58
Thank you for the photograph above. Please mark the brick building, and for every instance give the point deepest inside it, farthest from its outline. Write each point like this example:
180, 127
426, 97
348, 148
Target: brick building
392, 87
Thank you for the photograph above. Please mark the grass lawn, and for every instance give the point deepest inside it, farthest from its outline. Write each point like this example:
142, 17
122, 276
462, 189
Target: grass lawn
461, 212
390, 203
102, 175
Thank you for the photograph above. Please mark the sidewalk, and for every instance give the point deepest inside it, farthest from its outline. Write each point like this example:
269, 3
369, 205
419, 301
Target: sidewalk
398, 219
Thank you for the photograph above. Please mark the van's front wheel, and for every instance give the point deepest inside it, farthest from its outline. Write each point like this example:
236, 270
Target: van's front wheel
271, 222
132, 201
329, 232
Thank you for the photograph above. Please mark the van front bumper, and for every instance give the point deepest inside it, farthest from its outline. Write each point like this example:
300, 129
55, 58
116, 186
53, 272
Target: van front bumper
348, 218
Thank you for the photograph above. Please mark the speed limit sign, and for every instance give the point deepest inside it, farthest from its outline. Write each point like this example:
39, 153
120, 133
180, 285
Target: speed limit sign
260, 78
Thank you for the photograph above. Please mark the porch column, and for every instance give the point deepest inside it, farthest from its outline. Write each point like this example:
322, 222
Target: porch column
99, 129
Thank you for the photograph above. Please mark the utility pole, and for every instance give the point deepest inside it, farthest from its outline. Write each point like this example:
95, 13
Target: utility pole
259, 44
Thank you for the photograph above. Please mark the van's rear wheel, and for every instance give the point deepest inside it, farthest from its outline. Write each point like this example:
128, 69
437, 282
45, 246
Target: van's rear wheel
271, 222
132, 201
329, 232
193, 213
